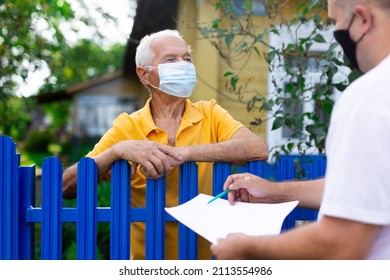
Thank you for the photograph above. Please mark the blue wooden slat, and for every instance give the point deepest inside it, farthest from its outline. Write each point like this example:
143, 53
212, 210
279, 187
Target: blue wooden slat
221, 170
286, 172
51, 231
188, 189
160, 218
150, 224
26, 200
86, 238
9, 185
120, 209
155, 220
255, 167
286, 169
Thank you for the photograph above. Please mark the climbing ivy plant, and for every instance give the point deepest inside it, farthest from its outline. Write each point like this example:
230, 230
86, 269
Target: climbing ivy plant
238, 40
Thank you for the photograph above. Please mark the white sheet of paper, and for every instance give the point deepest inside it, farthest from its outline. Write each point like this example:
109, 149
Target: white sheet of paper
219, 218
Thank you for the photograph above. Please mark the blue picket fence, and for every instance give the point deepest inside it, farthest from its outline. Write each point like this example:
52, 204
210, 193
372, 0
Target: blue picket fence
19, 214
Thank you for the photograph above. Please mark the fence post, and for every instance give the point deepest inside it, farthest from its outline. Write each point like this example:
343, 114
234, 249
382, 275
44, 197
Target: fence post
120, 211
86, 238
26, 201
188, 189
51, 231
155, 218
9, 191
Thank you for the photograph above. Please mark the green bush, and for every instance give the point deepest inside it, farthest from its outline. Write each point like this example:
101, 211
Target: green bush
39, 140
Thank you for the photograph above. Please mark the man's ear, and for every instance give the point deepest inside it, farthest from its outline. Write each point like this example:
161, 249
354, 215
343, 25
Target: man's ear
143, 75
364, 19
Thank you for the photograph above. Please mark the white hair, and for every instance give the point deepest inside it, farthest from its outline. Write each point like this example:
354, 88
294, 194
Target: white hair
144, 54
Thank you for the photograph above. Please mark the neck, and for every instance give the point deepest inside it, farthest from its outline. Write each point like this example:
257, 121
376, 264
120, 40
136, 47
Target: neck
378, 52
164, 106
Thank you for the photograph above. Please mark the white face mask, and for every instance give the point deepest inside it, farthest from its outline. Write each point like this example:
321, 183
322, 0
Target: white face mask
177, 79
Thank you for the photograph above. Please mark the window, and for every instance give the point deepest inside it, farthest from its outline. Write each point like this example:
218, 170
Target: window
95, 114
258, 7
279, 78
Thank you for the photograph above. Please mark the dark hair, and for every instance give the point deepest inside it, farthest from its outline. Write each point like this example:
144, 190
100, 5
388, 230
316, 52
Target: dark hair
349, 3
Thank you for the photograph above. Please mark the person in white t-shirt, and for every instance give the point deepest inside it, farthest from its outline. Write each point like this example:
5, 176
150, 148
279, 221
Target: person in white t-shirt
354, 196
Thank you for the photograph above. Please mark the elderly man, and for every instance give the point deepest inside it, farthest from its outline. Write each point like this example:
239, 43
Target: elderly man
354, 220
167, 132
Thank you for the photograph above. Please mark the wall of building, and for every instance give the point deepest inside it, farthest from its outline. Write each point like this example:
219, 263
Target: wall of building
211, 68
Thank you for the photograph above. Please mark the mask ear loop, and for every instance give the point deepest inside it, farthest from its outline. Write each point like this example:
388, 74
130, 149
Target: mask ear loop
149, 68
350, 23
155, 87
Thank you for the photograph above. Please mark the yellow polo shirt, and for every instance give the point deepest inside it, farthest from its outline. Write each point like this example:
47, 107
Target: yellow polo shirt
203, 122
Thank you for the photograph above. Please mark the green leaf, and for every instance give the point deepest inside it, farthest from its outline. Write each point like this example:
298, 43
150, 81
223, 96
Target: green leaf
319, 38
317, 19
275, 31
205, 31
233, 81
242, 46
301, 5
278, 123
290, 146
229, 39
248, 6
256, 50
340, 87
328, 107
260, 37
266, 106
331, 72
271, 56
354, 75
228, 74
332, 47
215, 23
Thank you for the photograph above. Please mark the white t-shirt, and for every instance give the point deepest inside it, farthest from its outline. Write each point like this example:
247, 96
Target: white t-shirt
357, 182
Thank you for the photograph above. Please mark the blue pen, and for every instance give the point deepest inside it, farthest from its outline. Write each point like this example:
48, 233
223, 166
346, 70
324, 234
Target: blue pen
220, 195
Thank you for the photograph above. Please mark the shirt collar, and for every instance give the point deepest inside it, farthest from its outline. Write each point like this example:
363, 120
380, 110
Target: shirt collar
191, 116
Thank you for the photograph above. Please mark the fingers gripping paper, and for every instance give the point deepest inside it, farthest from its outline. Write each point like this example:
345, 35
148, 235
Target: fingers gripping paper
219, 218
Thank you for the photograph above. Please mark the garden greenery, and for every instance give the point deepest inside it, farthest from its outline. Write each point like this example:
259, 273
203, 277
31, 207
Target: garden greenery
238, 40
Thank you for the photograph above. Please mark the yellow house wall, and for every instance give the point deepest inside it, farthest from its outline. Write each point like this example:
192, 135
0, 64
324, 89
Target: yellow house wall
210, 67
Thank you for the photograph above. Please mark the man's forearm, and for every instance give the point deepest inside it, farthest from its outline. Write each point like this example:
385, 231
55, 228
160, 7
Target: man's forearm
309, 193
234, 151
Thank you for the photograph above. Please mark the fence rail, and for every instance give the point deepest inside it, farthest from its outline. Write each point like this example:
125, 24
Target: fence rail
19, 214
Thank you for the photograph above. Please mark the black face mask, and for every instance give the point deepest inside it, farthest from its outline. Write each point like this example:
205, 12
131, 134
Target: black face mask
343, 37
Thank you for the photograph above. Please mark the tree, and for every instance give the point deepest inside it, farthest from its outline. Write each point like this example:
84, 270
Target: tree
238, 40
34, 35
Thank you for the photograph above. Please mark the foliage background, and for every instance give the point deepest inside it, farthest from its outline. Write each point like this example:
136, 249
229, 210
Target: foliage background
33, 37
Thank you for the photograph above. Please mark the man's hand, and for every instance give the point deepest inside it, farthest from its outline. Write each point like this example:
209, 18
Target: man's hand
155, 159
233, 247
246, 187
